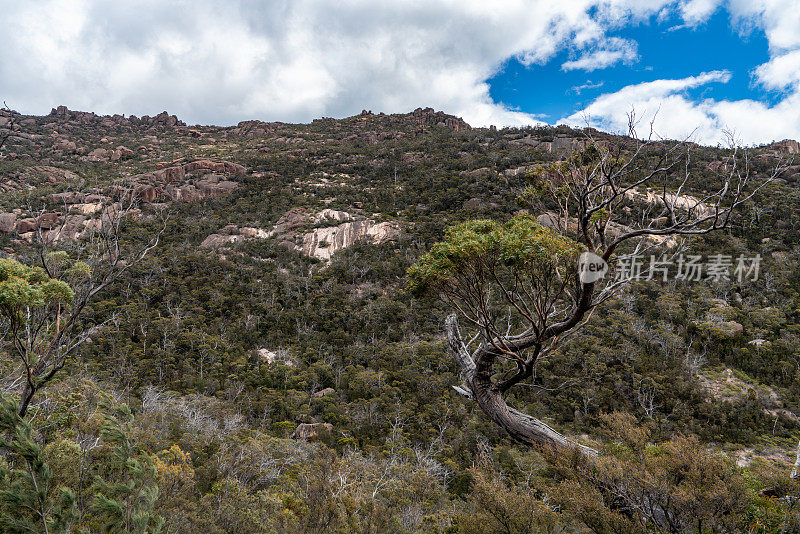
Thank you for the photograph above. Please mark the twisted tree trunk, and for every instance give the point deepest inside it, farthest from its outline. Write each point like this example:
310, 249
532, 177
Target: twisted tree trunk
479, 387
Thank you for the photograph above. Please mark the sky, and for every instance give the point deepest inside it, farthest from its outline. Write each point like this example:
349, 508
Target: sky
694, 68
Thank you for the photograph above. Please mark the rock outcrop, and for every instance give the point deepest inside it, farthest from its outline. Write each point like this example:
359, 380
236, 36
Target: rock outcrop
81, 219
681, 202
162, 120
8, 223
254, 128
273, 356
323, 243
311, 431
188, 182
320, 243
561, 144
431, 117
232, 234
36, 176
106, 155
787, 146
552, 220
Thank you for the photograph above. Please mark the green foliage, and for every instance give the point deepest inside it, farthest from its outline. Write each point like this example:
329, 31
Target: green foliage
125, 498
522, 243
28, 502
500, 506
22, 286
190, 321
676, 485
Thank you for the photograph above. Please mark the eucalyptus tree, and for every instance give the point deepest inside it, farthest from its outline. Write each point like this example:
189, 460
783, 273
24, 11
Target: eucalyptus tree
518, 287
43, 301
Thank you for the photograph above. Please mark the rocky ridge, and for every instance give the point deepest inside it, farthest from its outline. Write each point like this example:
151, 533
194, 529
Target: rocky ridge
80, 212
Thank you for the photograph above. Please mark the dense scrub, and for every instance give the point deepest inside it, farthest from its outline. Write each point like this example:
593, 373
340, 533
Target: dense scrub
211, 419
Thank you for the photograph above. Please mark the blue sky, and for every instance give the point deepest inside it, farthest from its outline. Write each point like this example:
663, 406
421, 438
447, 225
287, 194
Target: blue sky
700, 67
667, 48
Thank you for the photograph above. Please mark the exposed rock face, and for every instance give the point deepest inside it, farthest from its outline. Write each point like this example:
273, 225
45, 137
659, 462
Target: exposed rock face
682, 202
220, 241
518, 170
62, 113
230, 235
76, 227
65, 145
254, 128
332, 215
76, 201
188, 182
162, 120
320, 243
430, 117
105, 155
224, 167
207, 179
560, 144
291, 220
270, 356
25, 225
122, 152
60, 227
310, 431
8, 223
98, 154
730, 329
170, 174
323, 243
787, 146
46, 221
50, 175
553, 220
324, 393
253, 233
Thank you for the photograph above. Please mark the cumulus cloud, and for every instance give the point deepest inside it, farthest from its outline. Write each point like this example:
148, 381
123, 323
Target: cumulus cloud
696, 12
781, 71
293, 60
677, 114
662, 100
609, 52
219, 62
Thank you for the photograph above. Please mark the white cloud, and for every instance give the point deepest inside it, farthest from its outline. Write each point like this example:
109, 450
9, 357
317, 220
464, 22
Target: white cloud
696, 12
679, 115
676, 116
608, 52
779, 19
578, 89
781, 71
661, 100
293, 60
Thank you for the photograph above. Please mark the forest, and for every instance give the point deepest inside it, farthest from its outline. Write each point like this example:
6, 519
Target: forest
251, 329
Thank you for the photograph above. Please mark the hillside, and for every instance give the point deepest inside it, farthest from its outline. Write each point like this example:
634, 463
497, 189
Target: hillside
285, 379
